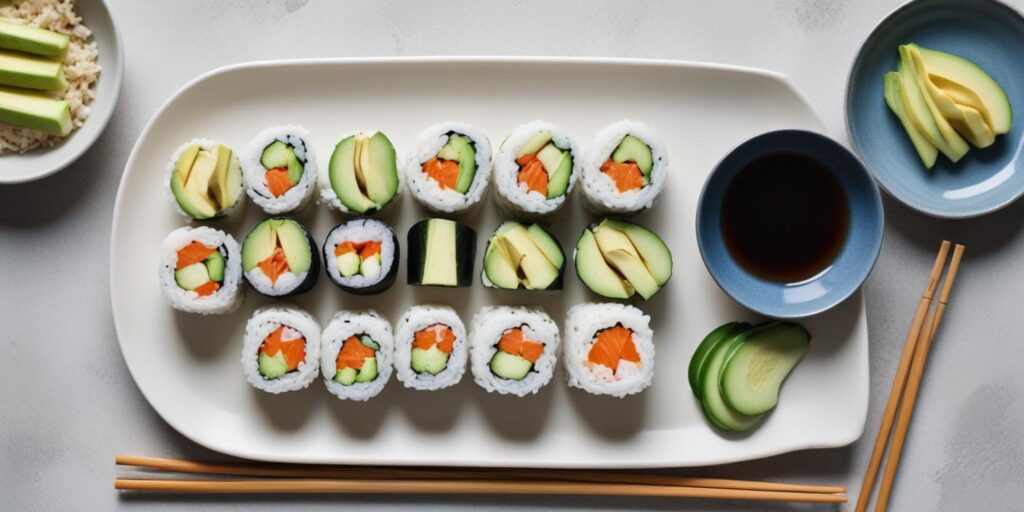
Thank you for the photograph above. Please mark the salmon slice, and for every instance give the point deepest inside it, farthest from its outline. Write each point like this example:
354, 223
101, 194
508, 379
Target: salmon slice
278, 181
207, 288
275, 265
192, 253
344, 248
294, 350
514, 342
535, 177
437, 334
627, 175
613, 345
369, 249
525, 159
353, 354
444, 172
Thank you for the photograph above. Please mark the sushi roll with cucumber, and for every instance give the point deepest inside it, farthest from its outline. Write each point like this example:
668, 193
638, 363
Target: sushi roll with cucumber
356, 352
204, 179
281, 350
513, 350
362, 176
450, 167
441, 253
625, 169
535, 169
609, 349
431, 349
200, 269
279, 169
523, 256
361, 256
618, 259
279, 258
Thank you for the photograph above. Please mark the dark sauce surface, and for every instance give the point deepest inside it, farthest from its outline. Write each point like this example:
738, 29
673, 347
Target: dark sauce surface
785, 217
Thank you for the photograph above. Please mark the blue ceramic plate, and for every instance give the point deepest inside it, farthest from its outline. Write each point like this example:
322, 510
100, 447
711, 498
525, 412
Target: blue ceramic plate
834, 284
985, 32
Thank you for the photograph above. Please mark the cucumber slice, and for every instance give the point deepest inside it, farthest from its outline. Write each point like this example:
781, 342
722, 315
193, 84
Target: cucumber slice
755, 368
715, 408
722, 332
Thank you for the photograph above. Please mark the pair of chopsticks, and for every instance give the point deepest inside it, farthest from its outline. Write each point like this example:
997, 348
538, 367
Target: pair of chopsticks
283, 478
907, 382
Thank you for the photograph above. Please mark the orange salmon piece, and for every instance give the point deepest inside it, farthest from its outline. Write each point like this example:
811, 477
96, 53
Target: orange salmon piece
278, 182
444, 172
353, 354
437, 334
369, 249
627, 175
275, 265
535, 177
192, 253
344, 248
613, 344
207, 288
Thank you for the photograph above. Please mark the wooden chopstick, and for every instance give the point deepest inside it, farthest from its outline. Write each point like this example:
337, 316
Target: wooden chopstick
404, 486
371, 472
914, 384
900, 380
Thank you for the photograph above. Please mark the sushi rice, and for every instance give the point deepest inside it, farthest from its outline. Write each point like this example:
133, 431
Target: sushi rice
488, 327
261, 324
426, 190
583, 323
600, 190
255, 175
343, 326
516, 197
226, 298
419, 318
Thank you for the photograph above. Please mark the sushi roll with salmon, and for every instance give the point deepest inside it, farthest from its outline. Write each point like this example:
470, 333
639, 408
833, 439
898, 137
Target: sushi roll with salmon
200, 269
279, 258
357, 348
361, 256
431, 349
362, 176
536, 169
513, 350
281, 350
609, 349
204, 179
280, 170
450, 167
626, 168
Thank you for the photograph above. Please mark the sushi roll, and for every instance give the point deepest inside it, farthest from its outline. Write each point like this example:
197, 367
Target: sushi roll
199, 271
618, 259
204, 179
281, 351
523, 256
450, 167
625, 169
279, 168
441, 253
279, 258
362, 176
361, 256
430, 348
536, 168
609, 349
513, 350
355, 359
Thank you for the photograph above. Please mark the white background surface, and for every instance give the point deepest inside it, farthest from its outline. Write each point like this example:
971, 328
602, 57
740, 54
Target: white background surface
67, 401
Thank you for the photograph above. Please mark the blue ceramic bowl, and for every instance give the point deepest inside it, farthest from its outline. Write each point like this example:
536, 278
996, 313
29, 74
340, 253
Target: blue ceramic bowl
855, 259
985, 32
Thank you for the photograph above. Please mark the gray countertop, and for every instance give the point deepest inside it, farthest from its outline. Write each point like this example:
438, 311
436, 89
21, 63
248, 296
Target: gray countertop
69, 404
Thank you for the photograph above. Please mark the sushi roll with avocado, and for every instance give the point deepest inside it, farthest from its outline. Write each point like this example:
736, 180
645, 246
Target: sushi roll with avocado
356, 352
441, 253
513, 350
362, 176
204, 180
430, 348
609, 349
281, 350
626, 168
618, 259
199, 271
279, 168
535, 169
523, 256
450, 167
361, 256
279, 258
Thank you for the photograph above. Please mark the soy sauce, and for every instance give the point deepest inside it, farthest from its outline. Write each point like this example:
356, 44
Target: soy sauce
785, 217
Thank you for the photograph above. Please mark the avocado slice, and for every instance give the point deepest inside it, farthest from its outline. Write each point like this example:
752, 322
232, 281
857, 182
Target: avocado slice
547, 244
966, 120
595, 272
510, 366
439, 263
919, 114
655, 254
219, 182
348, 264
632, 149
620, 253
276, 155
894, 99
272, 367
31, 72
537, 271
196, 207
558, 185
259, 244
969, 85
35, 111
432, 361
369, 370
342, 175
346, 376
295, 245
194, 197
38, 41
192, 276
379, 168
534, 143
500, 268
215, 266
460, 148
954, 143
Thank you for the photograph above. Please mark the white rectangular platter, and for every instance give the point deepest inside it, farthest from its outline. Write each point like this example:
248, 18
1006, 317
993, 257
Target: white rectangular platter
188, 366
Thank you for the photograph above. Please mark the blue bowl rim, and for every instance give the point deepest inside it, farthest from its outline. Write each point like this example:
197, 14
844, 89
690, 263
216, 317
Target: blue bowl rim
839, 297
